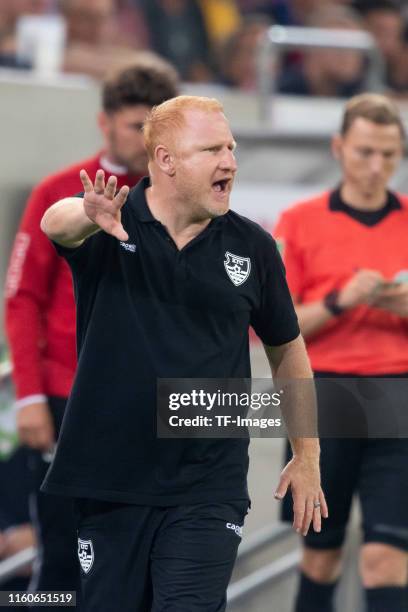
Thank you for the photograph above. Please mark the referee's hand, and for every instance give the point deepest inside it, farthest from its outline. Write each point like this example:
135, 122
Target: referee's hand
302, 475
103, 205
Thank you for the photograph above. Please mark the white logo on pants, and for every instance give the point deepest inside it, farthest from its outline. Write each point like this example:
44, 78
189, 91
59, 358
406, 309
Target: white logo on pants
236, 528
85, 554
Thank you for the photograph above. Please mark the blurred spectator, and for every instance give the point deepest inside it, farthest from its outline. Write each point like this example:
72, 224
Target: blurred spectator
285, 12
131, 25
94, 42
8, 56
178, 32
327, 72
238, 55
301, 10
10, 11
91, 21
278, 10
222, 19
384, 20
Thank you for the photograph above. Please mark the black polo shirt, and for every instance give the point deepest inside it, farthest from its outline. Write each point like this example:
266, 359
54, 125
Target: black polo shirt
146, 310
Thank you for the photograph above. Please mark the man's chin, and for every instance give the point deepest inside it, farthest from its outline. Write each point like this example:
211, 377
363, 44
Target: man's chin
370, 189
214, 214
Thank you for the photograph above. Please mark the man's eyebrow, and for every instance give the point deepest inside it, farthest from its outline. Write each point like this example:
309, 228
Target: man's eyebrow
218, 145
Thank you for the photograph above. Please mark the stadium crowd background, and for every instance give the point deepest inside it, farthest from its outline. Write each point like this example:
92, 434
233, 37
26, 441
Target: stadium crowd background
210, 42
215, 41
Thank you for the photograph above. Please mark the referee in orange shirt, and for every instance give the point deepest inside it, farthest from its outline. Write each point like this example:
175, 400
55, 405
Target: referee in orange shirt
346, 256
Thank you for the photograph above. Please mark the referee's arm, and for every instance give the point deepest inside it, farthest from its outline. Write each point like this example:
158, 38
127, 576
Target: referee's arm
289, 362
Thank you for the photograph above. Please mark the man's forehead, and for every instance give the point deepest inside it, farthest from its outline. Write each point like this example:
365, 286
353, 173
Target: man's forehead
206, 122
363, 132
365, 126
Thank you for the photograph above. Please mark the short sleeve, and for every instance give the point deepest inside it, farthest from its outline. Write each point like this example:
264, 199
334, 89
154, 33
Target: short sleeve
72, 254
275, 320
88, 260
285, 235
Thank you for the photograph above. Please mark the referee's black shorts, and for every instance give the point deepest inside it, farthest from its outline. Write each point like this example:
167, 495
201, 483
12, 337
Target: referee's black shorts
152, 559
376, 469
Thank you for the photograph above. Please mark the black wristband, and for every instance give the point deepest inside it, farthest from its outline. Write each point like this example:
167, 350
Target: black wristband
330, 302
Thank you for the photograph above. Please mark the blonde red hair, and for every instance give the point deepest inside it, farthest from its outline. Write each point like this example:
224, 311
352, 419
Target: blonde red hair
166, 119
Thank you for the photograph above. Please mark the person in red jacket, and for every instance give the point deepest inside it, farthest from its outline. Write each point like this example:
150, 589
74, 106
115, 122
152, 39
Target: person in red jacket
40, 309
346, 259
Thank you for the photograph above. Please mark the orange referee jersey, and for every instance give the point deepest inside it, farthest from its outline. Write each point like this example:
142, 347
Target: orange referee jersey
322, 248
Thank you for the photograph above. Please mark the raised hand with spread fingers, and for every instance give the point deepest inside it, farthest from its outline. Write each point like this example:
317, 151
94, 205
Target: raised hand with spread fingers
72, 220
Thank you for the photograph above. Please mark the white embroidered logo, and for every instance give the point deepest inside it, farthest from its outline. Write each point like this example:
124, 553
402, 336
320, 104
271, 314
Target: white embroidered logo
238, 268
86, 554
128, 247
236, 528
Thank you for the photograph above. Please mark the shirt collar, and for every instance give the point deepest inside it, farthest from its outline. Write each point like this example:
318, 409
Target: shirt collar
138, 202
337, 203
112, 168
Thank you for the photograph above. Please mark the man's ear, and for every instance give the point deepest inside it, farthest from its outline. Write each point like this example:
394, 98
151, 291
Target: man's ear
336, 145
164, 160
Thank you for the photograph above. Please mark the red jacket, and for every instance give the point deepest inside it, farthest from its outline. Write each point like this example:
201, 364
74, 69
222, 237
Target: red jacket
40, 309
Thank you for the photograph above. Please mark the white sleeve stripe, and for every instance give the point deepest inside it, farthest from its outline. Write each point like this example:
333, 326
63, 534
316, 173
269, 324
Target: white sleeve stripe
30, 399
21, 244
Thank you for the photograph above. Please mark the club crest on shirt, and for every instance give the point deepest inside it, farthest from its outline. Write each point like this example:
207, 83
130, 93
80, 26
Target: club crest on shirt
85, 554
237, 267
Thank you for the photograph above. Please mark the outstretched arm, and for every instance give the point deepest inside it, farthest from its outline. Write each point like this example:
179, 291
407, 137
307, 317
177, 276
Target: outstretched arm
72, 220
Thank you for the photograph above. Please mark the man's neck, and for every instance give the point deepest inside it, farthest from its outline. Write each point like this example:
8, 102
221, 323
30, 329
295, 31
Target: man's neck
179, 224
359, 200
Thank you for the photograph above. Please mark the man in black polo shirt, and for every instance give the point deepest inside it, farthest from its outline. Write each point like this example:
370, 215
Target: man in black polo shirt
155, 300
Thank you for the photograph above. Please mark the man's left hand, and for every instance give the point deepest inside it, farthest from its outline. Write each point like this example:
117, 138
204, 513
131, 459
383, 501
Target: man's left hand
394, 299
302, 475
